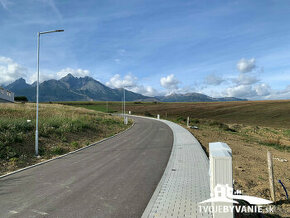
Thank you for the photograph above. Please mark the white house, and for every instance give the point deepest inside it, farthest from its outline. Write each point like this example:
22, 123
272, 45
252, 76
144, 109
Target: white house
6, 96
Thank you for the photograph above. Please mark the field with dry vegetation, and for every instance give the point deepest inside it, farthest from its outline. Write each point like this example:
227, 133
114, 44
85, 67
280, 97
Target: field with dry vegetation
250, 128
61, 129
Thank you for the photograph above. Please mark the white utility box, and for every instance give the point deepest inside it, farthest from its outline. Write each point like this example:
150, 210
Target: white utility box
221, 175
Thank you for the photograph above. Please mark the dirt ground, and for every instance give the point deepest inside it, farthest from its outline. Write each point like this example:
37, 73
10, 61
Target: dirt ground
250, 170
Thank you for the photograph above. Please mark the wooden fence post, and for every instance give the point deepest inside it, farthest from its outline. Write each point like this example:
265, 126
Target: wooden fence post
271, 175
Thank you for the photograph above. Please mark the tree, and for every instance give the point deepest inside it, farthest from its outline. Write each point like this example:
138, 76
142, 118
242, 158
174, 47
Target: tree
21, 98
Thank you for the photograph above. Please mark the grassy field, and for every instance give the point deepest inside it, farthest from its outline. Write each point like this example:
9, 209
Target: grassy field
249, 128
261, 113
61, 129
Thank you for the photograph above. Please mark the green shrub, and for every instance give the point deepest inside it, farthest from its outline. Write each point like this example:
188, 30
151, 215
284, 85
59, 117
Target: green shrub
195, 121
148, 114
21, 98
275, 143
75, 144
181, 118
56, 150
221, 126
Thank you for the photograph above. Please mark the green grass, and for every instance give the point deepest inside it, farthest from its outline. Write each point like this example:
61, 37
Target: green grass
61, 129
275, 143
110, 107
287, 133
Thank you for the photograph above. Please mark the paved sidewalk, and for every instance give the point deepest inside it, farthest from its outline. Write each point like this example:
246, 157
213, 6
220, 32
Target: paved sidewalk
185, 181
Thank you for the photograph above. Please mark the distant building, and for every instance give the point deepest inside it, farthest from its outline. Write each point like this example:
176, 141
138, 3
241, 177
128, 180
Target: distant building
6, 96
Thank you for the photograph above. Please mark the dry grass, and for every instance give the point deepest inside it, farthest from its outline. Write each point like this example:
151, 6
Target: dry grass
254, 113
249, 145
61, 129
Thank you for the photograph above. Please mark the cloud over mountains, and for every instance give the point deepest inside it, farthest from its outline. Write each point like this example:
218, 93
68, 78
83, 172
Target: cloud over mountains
245, 83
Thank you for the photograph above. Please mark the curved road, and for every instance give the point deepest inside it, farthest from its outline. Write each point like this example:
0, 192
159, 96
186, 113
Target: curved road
115, 178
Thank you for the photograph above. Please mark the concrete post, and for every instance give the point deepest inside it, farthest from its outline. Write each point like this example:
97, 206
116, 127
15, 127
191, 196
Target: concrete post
221, 176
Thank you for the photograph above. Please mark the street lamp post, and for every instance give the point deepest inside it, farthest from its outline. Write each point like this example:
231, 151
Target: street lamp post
37, 86
124, 102
124, 107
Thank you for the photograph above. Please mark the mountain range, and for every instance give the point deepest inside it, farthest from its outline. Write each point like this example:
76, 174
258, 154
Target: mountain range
70, 88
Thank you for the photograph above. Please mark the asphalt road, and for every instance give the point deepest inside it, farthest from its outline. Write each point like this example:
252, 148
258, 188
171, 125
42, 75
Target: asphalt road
115, 178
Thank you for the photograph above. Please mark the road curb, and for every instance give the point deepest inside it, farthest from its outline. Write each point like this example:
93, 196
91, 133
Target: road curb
64, 155
185, 181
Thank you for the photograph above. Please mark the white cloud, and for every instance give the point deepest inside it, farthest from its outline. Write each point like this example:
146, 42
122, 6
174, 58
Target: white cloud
74, 72
169, 82
245, 85
130, 82
145, 90
43, 76
244, 79
62, 73
278, 94
263, 89
258, 91
117, 82
240, 91
245, 65
5, 3
52, 5
213, 79
10, 71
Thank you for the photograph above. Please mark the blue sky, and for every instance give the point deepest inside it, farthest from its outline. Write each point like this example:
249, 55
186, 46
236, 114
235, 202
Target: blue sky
219, 48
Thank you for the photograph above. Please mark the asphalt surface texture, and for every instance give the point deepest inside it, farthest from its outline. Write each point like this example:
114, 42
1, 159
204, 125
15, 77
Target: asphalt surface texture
115, 178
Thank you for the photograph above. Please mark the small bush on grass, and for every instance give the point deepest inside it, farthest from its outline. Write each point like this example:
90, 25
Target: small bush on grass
57, 150
181, 119
75, 144
275, 143
148, 114
221, 126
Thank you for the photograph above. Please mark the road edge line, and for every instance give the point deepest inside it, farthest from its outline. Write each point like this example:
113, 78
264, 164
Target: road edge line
64, 155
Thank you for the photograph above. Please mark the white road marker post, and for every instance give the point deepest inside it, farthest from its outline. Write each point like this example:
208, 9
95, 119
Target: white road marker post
187, 123
158, 117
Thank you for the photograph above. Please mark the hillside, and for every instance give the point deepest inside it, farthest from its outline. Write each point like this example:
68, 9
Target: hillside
70, 88
194, 97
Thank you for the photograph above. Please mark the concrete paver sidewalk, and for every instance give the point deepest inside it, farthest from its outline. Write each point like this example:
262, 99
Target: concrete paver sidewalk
185, 182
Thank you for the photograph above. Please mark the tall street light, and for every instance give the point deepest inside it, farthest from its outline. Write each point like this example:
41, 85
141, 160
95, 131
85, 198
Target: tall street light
124, 108
124, 101
37, 86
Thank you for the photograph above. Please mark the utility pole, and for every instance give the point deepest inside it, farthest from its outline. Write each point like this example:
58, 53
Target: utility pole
37, 86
